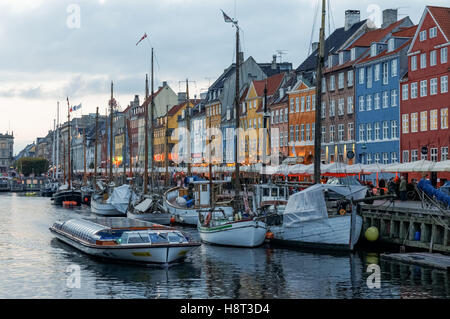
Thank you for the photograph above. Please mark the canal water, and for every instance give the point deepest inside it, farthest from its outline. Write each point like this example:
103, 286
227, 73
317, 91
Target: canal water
34, 264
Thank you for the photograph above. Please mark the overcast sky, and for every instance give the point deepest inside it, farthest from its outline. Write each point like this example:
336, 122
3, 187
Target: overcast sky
51, 49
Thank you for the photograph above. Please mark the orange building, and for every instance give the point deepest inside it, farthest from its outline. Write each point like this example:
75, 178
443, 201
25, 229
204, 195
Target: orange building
302, 117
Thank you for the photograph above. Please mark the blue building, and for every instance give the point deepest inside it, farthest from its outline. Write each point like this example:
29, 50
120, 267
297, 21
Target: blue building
377, 98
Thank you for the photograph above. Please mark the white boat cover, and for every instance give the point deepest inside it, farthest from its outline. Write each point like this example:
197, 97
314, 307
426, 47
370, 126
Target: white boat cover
144, 205
310, 204
120, 198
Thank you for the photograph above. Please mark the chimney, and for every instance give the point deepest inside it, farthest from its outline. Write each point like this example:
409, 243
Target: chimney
181, 97
164, 83
314, 46
274, 62
351, 17
389, 17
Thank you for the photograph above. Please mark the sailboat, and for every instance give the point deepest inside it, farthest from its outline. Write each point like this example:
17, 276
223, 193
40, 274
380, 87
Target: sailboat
65, 193
322, 215
111, 201
244, 228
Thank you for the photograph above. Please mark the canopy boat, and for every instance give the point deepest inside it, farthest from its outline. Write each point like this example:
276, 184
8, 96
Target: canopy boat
114, 205
321, 216
150, 208
183, 203
242, 230
125, 239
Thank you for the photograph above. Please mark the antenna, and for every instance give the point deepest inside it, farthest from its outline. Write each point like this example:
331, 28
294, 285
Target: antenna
280, 54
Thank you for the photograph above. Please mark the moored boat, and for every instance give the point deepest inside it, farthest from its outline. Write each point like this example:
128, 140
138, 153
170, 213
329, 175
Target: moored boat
125, 239
149, 208
66, 195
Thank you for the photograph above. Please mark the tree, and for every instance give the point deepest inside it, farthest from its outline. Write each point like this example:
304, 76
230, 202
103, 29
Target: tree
31, 165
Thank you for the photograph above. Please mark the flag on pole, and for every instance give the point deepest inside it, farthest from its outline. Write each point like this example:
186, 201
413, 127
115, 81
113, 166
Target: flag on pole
76, 107
143, 37
226, 18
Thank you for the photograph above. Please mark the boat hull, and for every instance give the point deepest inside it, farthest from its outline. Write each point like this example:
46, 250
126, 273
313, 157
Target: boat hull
68, 195
104, 209
332, 233
163, 218
237, 234
148, 255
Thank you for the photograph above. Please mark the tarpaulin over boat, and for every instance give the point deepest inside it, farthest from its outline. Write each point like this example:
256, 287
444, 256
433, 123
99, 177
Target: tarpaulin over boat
144, 205
120, 198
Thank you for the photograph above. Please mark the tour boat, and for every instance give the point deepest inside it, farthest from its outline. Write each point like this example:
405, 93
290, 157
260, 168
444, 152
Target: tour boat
183, 203
215, 227
321, 216
124, 239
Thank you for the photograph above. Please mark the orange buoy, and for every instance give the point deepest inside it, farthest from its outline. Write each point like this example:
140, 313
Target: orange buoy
69, 203
269, 235
172, 220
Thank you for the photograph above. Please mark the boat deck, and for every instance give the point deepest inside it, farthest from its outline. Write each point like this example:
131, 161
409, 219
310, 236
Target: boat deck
119, 222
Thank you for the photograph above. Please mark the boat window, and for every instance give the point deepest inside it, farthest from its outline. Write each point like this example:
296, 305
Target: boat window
144, 237
134, 240
281, 192
266, 192
177, 238
156, 239
274, 192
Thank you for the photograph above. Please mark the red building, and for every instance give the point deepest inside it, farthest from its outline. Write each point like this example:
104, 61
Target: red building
425, 99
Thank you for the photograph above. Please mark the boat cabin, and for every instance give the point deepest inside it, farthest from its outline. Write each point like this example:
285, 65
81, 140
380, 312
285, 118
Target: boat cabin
197, 194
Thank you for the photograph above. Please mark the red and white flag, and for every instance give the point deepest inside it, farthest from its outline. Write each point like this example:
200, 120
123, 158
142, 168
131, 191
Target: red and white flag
143, 37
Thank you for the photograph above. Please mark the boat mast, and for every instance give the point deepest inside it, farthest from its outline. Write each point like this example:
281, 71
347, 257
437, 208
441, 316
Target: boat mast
68, 142
146, 136
105, 138
64, 160
53, 148
237, 185
111, 104
84, 153
95, 147
318, 123
57, 140
130, 145
265, 135
166, 146
152, 138
211, 189
188, 125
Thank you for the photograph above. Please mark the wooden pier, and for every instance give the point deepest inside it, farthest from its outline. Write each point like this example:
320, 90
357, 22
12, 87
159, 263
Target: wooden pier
408, 224
422, 259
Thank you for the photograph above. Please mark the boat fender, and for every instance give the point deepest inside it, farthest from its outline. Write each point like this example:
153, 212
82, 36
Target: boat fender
208, 219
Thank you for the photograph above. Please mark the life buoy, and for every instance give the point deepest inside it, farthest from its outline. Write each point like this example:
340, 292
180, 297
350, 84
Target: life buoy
208, 219
342, 212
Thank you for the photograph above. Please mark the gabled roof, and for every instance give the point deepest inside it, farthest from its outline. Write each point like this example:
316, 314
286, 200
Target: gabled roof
273, 83
177, 107
405, 32
332, 44
155, 94
442, 17
384, 53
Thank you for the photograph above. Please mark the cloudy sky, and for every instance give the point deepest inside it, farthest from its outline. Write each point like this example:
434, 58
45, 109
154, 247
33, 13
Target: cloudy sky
51, 49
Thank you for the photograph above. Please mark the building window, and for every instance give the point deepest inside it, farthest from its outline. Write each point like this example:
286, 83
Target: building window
361, 132
281, 139
423, 35
308, 103
324, 132
423, 157
331, 133
385, 99
385, 158
307, 132
286, 115
324, 109
292, 105
302, 104
433, 32
444, 55
341, 103
377, 73
433, 154
394, 129
414, 63
385, 130
414, 156
361, 103
313, 131
350, 78
341, 80
391, 45
341, 132
444, 153
369, 102
423, 121
332, 108
369, 158
433, 86
275, 120
394, 98
369, 77
423, 60
302, 132
444, 118
332, 83
433, 120
394, 67
297, 104
376, 129
444, 84
414, 90
405, 156
377, 158
373, 50
377, 101
423, 88
433, 58
414, 122
385, 73
368, 131
291, 130
324, 85
296, 133
361, 76
350, 131
394, 158
350, 105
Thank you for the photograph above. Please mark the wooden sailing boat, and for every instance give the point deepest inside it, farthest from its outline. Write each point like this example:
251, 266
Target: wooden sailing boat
111, 200
67, 195
243, 229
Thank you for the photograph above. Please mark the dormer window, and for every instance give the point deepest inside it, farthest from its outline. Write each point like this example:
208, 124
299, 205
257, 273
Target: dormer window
391, 45
353, 54
373, 49
330, 61
341, 57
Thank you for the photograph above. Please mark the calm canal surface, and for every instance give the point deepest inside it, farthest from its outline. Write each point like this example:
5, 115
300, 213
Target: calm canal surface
34, 264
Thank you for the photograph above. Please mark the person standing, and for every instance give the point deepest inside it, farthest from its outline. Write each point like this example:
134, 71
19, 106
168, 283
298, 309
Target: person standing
402, 189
